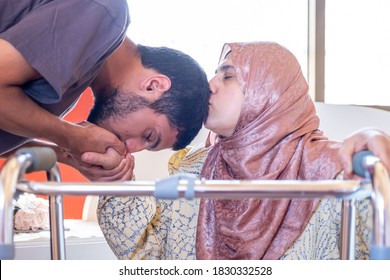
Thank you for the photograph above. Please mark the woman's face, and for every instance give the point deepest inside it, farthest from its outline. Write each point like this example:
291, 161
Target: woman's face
225, 101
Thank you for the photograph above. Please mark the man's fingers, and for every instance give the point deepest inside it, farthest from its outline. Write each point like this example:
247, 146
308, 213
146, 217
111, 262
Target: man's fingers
119, 147
107, 139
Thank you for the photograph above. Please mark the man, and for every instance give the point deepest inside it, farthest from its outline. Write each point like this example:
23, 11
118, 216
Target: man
52, 50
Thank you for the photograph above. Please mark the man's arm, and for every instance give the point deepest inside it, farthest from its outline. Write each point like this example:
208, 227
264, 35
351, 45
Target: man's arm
21, 116
116, 167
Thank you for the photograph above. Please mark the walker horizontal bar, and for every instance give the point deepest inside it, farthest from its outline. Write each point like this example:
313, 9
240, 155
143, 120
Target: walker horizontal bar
222, 189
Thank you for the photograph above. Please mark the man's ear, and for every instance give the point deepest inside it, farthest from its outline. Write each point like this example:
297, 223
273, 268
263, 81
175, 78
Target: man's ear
156, 84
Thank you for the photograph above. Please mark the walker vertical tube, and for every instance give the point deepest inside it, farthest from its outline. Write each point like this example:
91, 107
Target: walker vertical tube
24, 160
9, 176
56, 212
348, 223
380, 249
365, 164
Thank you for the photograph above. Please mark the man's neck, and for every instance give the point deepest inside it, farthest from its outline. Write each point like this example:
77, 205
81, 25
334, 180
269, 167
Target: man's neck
117, 67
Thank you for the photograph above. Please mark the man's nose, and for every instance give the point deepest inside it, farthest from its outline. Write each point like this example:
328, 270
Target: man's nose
134, 145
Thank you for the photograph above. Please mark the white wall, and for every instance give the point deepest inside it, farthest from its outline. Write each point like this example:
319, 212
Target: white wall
154, 165
339, 121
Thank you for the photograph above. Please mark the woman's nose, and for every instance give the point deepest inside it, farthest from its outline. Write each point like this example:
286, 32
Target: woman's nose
134, 145
213, 85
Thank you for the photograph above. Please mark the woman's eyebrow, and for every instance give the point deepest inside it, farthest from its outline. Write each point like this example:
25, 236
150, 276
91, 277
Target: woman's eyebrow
224, 68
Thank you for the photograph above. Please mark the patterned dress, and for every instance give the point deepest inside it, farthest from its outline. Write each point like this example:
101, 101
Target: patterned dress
150, 228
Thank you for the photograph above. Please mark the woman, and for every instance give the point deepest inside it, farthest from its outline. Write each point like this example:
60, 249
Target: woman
272, 134
267, 129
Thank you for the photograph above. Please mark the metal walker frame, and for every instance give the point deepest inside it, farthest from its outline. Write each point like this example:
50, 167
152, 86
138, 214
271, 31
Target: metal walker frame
376, 186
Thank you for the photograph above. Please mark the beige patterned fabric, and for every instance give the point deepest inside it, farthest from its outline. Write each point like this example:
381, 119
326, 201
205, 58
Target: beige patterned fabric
149, 228
321, 238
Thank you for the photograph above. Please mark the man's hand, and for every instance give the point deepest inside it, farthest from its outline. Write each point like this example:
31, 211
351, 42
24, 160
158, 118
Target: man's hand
371, 139
87, 137
110, 167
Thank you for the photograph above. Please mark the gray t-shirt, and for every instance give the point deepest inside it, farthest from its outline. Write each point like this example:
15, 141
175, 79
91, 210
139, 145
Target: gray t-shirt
66, 41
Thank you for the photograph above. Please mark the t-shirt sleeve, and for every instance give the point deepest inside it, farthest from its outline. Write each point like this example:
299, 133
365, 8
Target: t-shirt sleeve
65, 40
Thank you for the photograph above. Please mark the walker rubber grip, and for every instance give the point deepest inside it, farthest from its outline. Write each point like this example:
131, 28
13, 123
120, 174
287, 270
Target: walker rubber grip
379, 253
168, 188
358, 162
7, 251
42, 158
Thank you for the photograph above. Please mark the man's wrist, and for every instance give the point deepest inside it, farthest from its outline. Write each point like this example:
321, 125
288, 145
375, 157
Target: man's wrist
64, 133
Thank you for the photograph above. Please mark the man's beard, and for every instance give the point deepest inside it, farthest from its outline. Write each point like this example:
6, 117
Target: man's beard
113, 103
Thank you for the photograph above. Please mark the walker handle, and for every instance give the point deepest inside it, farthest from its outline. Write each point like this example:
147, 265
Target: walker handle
358, 162
42, 158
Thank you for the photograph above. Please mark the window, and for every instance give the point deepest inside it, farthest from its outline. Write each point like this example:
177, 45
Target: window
200, 28
357, 52
355, 58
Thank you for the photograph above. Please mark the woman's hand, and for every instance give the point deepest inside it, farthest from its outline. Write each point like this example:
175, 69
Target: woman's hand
107, 167
370, 139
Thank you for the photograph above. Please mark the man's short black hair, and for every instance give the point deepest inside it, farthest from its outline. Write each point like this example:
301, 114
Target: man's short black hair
186, 103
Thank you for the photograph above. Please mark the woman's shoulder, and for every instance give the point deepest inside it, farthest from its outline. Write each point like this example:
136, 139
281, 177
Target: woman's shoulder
190, 158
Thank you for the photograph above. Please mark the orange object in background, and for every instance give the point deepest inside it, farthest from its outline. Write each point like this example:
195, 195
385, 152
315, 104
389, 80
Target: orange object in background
73, 205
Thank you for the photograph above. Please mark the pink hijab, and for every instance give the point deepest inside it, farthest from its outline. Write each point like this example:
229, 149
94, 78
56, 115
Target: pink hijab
276, 138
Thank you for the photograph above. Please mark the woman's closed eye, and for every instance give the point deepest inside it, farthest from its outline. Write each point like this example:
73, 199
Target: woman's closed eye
228, 72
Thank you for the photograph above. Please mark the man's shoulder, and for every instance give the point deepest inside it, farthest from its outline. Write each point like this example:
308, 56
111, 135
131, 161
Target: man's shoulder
116, 8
